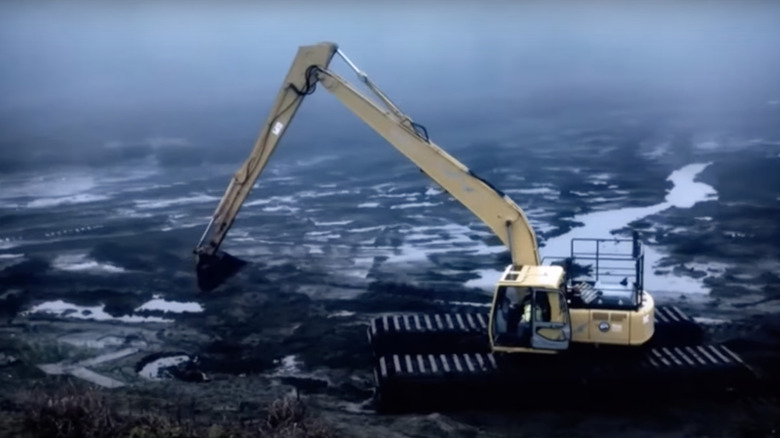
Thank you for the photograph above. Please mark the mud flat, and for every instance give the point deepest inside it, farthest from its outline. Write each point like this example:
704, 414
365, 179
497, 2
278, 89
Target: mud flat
261, 345
293, 323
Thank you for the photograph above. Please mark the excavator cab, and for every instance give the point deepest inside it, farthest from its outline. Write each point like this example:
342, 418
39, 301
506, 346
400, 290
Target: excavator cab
530, 311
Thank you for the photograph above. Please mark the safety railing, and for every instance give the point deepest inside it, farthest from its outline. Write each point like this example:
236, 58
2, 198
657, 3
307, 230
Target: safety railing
610, 261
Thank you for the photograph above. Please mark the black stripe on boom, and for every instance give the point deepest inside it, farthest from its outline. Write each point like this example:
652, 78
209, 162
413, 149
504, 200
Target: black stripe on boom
487, 183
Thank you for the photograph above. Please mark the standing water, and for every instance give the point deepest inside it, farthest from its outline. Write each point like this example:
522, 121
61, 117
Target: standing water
684, 194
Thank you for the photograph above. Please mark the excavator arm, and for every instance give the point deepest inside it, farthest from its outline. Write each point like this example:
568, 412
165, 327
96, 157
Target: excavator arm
504, 217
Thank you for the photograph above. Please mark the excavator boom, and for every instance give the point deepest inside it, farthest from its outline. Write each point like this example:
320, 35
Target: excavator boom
214, 266
502, 215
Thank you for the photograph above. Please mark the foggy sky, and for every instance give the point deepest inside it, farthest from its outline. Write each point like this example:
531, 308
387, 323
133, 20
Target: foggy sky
111, 71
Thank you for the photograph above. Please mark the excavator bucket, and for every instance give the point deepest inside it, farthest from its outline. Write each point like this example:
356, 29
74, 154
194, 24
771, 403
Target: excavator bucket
213, 270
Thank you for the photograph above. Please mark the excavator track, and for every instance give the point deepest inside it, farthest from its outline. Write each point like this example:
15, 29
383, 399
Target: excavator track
420, 381
444, 360
468, 332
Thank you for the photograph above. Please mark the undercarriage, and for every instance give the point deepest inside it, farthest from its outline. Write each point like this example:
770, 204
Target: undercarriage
435, 361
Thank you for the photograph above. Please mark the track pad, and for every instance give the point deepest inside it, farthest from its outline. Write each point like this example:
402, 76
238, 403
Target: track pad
213, 270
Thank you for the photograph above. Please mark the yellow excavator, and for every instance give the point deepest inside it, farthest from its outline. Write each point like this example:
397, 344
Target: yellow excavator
525, 285
539, 306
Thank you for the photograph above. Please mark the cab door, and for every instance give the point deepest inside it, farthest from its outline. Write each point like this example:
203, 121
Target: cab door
550, 322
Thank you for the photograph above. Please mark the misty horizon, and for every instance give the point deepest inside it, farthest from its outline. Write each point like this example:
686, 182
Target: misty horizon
90, 76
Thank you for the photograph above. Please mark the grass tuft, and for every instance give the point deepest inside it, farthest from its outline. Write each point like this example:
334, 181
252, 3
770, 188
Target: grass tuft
72, 411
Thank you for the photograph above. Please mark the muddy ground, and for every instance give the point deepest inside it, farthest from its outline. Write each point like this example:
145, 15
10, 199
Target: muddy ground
241, 337
293, 323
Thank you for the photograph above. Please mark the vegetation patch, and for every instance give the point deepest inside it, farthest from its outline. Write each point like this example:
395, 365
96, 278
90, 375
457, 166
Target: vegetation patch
84, 412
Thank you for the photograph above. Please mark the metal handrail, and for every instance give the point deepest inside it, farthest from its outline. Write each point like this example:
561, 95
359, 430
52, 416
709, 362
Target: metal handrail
633, 253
